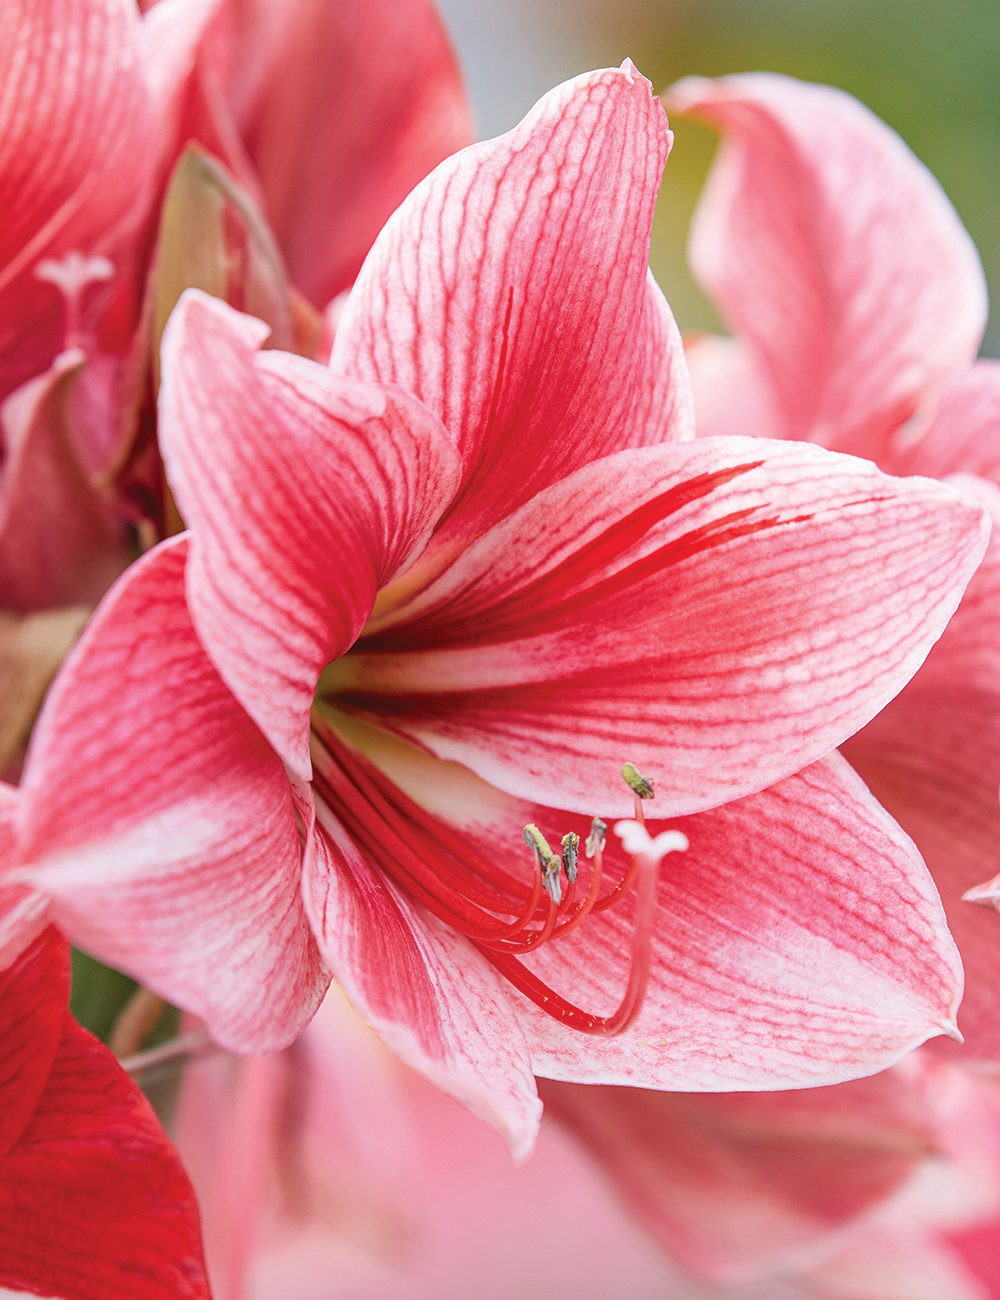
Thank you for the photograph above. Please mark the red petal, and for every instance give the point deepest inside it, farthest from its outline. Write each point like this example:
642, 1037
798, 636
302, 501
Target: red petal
510, 294
33, 996
834, 253
94, 1201
305, 493
160, 822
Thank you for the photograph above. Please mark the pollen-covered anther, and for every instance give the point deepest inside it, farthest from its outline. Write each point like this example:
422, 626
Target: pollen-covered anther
548, 862
597, 837
570, 855
637, 783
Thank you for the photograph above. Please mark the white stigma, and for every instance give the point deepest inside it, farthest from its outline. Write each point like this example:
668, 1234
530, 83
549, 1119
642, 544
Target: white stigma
638, 842
71, 274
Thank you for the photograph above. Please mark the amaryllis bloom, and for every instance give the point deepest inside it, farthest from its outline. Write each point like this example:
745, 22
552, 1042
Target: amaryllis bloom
480, 560
858, 301
93, 1199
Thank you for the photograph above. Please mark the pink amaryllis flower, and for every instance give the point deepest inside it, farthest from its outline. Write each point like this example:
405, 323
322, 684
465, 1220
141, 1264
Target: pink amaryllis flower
858, 302
93, 1199
480, 560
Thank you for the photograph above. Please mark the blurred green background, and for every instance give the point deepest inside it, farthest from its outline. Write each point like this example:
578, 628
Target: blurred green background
930, 68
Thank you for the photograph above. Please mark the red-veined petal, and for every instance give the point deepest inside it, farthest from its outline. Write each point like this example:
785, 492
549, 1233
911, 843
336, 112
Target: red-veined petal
75, 162
423, 988
720, 613
510, 293
160, 823
305, 493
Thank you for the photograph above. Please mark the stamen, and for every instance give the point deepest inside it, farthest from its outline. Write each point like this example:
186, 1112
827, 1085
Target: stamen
570, 855
545, 859
635, 780
598, 834
501, 914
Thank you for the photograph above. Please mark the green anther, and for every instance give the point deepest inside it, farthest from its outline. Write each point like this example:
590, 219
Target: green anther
537, 842
635, 780
598, 834
570, 854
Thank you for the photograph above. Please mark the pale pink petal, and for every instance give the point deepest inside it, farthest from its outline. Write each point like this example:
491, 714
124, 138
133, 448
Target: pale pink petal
720, 613
160, 823
743, 1185
932, 758
169, 36
374, 1178
421, 986
510, 293
305, 493
833, 251
75, 166
894, 1262
960, 431
731, 396
58, 543
342, 108
800, 939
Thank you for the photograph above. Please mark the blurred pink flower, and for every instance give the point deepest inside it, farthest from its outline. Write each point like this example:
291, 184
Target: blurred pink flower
858, 302
97, 102
493, 490
332, 1171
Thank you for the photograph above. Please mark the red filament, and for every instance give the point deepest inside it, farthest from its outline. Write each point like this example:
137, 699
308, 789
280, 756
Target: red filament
502, 915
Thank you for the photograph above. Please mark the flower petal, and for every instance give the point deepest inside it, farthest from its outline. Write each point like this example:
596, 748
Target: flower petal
510, 293
932, 758
342, 108
834, 252
305, 492
58, 544
720, 613
95, 1201
161, 825
75, 167
423, 988
800, 940
742, 1185
33, 996
731, 396
960, 434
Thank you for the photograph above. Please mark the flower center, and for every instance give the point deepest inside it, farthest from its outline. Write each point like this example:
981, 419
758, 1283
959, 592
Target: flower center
505, 916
